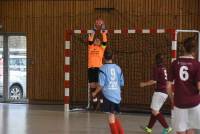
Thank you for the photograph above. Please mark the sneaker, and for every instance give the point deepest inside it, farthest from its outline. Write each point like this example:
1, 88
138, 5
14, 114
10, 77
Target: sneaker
167, 130
148, 130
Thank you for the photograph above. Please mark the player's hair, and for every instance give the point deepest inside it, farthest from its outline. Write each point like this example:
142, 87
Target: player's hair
159, 58
189, 45
108, 54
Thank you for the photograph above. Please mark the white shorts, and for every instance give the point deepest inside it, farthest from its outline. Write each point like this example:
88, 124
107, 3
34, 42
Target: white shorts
158, 100
187, 118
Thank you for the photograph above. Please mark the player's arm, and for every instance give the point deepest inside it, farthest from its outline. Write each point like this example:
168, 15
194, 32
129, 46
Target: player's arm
170, 90
152, 81
198, 86
171, 77
91, 38
104, 36
147, 83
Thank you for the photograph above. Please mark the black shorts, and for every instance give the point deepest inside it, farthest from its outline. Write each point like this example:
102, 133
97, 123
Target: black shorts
109, 106
93, 74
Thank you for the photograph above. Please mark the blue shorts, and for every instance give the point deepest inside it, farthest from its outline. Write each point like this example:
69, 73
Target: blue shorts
109, 106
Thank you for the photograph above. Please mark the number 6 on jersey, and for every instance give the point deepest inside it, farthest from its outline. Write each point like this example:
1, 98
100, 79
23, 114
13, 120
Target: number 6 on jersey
183, 73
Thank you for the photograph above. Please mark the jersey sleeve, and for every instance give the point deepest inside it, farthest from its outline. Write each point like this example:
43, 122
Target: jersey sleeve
121, 79
104, 42
102, 78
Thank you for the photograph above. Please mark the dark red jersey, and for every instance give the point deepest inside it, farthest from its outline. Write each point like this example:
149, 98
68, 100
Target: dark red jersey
185, 72
160, 76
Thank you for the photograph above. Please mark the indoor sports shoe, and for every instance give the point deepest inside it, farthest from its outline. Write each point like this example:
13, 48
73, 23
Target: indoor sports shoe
167, 130
148, 130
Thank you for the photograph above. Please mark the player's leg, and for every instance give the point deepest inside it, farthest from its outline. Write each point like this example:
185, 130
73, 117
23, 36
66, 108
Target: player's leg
93, 100
112, 124
151, 123
194, 119
119, 126
95, 80
117, 120
157, 102
190, 131
180, 120
92, 88
100, 100
160, 99
181, 132
152, 120
161, 119
154, 113
108, 108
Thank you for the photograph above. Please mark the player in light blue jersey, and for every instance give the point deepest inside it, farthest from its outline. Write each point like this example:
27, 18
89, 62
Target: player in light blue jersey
110, 82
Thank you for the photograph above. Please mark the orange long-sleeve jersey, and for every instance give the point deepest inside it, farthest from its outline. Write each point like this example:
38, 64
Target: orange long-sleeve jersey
95, 55
95, 52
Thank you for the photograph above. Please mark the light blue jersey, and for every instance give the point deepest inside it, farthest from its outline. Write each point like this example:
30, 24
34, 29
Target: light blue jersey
111, 80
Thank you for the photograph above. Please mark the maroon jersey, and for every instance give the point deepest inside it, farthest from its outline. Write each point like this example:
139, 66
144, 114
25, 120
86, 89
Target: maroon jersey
160, 76
185, 72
